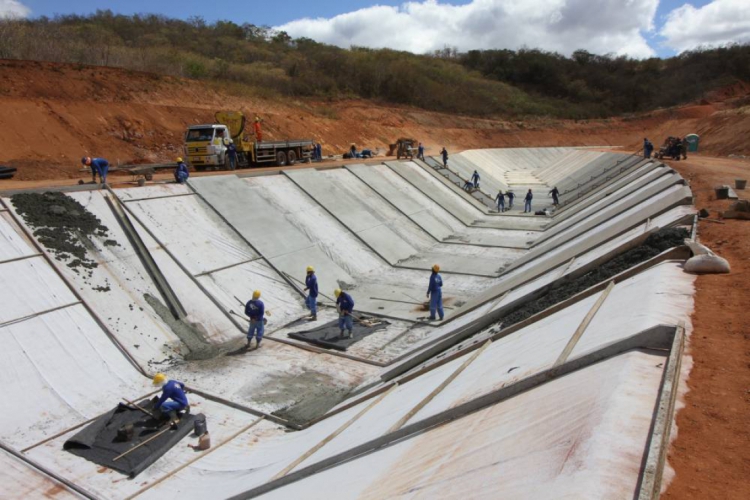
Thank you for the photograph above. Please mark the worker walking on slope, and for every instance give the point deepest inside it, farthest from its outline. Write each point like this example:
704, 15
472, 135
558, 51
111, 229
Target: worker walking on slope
420, 152
172, 399
435, 293
475, 179
444, 154
255, 310
527, 202
98, 166
555, 196
511, 197
258, 131
311, 286
500, 200
345, 307
181, 173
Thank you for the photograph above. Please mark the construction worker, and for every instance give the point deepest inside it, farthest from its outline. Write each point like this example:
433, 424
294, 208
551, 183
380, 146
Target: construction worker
311, 286
475, 179
435, 293
527, 202
232, 154
352, 151
98, 166
444, 154
555, 196
511, 196
172, 399
345, 307
181, 173
648, 148
420, 152
500, 200
258, 131
255, 310
684, 148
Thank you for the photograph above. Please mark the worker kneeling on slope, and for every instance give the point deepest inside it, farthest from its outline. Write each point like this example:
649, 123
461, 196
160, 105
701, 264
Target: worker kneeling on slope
255, 310
435, 293
345, 307
181, 173
173, 399
311, 286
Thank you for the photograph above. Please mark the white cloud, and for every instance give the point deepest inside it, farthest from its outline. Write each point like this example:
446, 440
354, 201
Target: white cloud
717, 23
602, 26
13, 8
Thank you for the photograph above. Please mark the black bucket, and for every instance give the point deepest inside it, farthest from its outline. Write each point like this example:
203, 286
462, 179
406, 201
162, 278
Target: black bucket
199, 426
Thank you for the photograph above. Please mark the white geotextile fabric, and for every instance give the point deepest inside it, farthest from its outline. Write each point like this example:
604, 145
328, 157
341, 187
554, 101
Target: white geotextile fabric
30, 286
12, 244
57, 370
581, 436
153, 191
19, 480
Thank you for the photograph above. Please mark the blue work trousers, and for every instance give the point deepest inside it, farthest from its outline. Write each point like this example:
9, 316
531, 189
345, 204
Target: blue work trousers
255, 329
346, 322
436, 304
103, 173
527, 206
168, 406
312, 304
501, 205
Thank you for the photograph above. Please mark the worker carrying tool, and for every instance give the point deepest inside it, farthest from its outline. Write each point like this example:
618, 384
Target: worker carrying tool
475, 179
345, 307
435, 293
311, 286
255, 310
555, 196
173, 398
181, 173
98, 166
258, 131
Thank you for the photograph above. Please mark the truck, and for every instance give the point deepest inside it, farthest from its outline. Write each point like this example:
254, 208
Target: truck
206, 145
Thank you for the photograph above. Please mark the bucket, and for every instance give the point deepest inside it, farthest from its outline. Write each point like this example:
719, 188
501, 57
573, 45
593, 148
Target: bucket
740, 183
722, 192
199, 426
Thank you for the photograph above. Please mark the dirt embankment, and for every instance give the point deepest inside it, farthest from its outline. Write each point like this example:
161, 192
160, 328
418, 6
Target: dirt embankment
53, 114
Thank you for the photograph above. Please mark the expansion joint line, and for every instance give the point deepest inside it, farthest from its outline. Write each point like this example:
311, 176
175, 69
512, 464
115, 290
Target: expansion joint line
16, 259
40, 313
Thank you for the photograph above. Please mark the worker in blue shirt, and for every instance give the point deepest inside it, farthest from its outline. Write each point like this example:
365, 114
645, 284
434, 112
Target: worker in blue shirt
232, 155
311, 286
345, 307
500, 200
172, 399
555, 196
527, 202
511, 196
98, 166
475, 179
435, 293
444, 154
255, 310
181, 173
420, 152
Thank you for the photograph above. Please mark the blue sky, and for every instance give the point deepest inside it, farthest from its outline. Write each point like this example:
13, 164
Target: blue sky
289, 11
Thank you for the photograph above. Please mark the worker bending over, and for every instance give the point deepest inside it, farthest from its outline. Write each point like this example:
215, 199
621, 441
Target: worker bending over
311, 286
435, 293
98, 166
345, 307
181, 173
173, 398
255, 310
555, 196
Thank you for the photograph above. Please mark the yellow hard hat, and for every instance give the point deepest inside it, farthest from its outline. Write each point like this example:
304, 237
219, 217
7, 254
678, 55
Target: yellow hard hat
159, 379
256, 294
310, 269
436, 268
337, 292
179, 159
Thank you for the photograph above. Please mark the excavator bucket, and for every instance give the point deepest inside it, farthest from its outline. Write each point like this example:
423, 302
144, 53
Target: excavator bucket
234, 120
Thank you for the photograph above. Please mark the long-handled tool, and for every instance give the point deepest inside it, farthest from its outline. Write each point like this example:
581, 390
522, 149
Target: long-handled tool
406, 302
118, 457
239, 315
131, 403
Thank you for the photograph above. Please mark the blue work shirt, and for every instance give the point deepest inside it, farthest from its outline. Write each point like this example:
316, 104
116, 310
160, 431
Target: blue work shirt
99, 164
232, 150
511, 196
182, 169
345, 302
529, 197
311, 282
175, 391
436, 283
255, 309
475, 177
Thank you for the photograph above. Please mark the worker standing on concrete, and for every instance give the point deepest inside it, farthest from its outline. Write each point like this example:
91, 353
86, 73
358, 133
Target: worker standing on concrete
258, 131
345, 307
444, 154
500, 200
98, 166
527, 202
511, 197
255, 310
232, 154
435, 293
648, 148
181, 173
475, 179
173, 398
311, 286
420, 152
555, 196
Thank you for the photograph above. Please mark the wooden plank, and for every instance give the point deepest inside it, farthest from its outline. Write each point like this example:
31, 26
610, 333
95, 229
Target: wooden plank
584, 324
439, 388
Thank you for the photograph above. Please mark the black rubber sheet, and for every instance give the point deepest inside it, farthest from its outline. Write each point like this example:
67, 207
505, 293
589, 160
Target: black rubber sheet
98, 443
327, 335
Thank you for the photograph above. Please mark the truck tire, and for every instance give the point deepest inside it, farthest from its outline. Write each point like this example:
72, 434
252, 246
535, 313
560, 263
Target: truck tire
281, 158
291, 157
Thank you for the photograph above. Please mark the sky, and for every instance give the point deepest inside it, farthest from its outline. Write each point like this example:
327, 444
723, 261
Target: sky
637, 28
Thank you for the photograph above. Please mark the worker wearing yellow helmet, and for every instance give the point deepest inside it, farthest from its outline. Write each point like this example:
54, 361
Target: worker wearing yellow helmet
435, 293
172, 399
345, 307
181, 173
311, 287
255, 310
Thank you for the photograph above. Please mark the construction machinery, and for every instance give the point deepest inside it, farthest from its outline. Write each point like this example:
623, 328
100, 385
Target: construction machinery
206, 145
403, 148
